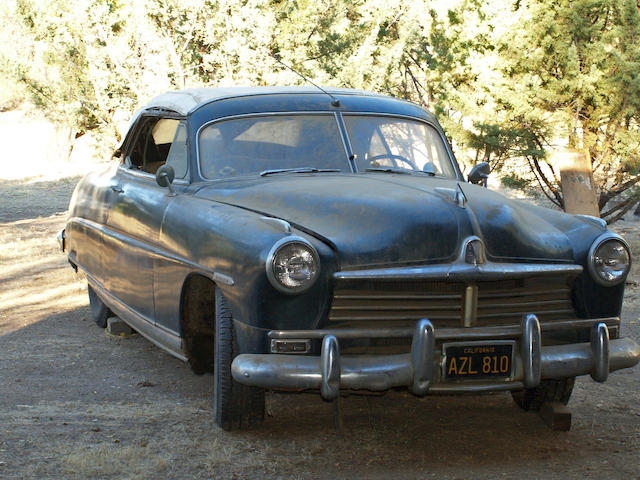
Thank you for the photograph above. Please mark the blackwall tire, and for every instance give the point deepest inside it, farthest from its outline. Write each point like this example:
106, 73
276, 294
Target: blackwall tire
99, 311
532, 399
235, 406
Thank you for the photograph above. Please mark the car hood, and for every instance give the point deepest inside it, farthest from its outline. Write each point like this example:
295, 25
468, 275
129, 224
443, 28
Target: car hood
378, 219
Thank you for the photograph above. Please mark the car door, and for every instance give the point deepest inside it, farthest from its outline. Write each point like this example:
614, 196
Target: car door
87, 219
136, 208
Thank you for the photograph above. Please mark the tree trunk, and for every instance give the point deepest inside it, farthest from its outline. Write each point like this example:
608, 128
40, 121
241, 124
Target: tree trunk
576, 177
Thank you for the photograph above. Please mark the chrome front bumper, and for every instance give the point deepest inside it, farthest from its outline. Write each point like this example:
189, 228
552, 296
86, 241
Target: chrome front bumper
420, 370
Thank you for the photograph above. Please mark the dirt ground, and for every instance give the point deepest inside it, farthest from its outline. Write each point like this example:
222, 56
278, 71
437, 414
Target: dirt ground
78, 403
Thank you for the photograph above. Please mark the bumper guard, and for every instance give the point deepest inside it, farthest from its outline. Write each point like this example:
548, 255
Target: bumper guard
417, 370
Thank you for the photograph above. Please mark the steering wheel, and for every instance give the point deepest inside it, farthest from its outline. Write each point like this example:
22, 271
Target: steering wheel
394, 158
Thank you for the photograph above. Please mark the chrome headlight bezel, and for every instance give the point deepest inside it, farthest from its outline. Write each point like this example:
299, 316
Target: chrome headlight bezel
597, 244
271, 263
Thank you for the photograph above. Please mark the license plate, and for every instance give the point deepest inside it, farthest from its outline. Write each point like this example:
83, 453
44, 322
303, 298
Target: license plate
477, 360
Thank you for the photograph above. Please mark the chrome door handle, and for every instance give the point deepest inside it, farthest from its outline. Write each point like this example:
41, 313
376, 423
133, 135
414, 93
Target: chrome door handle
117, 188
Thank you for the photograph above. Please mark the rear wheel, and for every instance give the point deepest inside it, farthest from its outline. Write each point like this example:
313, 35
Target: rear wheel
235, 406
531, 399
99, 311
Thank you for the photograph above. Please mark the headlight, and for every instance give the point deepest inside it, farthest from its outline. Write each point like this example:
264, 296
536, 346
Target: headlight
292, 265
609, 260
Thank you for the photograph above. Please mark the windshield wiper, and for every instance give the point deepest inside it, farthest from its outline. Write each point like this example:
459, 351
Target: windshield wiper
400, 170
297, 170
388, 170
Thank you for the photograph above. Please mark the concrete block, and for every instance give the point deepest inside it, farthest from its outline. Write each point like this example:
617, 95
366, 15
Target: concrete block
115, 326
556, 415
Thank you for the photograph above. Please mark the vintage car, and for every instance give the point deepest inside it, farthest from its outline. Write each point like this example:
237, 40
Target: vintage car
298, 239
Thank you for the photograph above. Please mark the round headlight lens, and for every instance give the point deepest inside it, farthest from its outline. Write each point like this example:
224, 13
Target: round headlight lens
293, 266
609, 261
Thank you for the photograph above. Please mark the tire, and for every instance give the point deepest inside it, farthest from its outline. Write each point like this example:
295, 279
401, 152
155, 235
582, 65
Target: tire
99, 311
235, 406
531, 399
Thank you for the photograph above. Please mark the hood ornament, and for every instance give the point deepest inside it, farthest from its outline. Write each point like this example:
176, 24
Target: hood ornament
473, 249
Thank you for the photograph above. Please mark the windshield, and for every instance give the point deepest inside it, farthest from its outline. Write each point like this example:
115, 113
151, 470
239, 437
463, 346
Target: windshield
389, 143
259, 144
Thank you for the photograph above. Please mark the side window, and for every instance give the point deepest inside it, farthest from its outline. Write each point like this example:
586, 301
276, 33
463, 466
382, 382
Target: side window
160, 141
177, 157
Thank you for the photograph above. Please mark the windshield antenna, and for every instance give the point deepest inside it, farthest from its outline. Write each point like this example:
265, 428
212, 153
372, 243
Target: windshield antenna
334, 101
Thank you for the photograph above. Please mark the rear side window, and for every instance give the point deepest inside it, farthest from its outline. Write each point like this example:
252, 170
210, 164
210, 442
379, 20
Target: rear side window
160, 141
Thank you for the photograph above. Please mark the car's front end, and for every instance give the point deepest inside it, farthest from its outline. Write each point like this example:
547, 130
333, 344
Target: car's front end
470, 325
389, 270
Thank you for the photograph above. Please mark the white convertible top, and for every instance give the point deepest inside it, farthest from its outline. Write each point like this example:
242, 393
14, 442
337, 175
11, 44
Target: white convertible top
183, 101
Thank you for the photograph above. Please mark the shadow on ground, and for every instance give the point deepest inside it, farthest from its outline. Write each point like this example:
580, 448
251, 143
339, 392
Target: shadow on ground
79, 403
26, 199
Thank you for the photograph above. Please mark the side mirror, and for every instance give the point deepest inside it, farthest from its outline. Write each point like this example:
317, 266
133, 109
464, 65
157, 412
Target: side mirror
479, 174
165, 176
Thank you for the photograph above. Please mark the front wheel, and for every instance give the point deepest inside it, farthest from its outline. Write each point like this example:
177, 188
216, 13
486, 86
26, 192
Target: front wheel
532, 399
99, 311
235, 406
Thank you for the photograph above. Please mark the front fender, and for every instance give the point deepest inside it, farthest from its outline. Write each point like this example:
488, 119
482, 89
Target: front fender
231, 245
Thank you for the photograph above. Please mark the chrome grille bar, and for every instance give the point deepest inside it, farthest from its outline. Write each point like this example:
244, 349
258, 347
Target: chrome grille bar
500, 302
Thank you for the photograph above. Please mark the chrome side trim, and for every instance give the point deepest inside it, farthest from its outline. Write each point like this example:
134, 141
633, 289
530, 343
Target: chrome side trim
461, 271
223, 279
164, 338
154, 251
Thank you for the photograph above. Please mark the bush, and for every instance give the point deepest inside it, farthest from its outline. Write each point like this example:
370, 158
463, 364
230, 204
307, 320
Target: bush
513, 181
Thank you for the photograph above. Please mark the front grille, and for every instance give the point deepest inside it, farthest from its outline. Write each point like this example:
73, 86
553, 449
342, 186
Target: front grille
380, 303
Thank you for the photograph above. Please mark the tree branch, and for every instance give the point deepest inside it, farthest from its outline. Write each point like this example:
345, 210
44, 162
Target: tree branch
622, 209
540, 177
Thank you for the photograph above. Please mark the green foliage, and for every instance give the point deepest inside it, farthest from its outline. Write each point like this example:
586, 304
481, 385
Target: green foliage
507, 80
498, 143
574, 67
511, 180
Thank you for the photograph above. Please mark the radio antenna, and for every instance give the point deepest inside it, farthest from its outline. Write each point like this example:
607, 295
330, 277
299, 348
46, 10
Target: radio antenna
334, 101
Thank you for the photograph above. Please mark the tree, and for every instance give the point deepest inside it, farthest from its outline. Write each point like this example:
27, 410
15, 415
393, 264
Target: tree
572, 76
85, 63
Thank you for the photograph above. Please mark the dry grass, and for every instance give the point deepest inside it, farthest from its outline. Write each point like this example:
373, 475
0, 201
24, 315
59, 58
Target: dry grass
35, 277
115, 460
